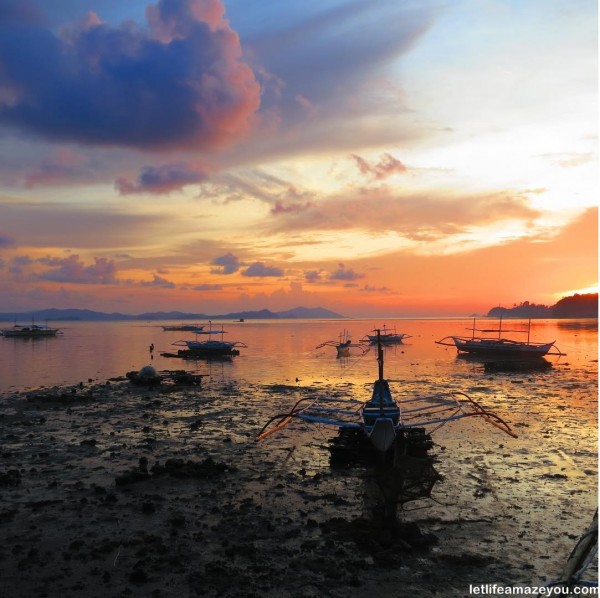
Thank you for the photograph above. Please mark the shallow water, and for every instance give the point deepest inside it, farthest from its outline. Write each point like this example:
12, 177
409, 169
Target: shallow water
277, 352
508, 510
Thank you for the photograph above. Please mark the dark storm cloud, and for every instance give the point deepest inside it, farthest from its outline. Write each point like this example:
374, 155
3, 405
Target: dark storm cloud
183, 84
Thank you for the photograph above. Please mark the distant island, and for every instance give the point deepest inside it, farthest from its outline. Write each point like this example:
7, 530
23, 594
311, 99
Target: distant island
65, 315
576, 306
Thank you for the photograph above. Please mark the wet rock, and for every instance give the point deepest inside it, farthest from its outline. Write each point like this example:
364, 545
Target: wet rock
131, 477
138, 577
10, 479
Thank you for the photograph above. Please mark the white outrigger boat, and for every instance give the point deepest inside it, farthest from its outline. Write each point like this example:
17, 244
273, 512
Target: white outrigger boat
381, 418
498, 346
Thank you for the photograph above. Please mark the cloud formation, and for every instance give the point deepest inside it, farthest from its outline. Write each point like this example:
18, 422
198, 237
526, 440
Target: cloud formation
183, 83
420, 216
73, 270
258, 269
7, 240
158, 282
226, 264
387, 166
347, 274
164, 179
207, 287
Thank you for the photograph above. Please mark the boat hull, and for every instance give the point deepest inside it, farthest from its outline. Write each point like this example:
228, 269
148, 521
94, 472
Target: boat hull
343, 349
381, 416
389, 339
213, 348
25, 332
501, 348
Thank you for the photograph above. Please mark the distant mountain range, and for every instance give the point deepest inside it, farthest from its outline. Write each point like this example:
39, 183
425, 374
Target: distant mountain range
575, 306
97, 316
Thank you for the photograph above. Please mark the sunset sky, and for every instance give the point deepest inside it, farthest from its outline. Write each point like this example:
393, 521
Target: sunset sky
390, 158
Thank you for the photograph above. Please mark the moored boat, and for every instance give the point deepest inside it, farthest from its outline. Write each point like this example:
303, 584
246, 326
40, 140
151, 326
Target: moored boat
184, 328
499, 346
381, 414
209, 348
381, 418
342, 345
387, 336
30, 331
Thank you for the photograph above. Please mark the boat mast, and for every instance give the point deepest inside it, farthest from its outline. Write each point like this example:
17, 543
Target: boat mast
380, 363
379, 355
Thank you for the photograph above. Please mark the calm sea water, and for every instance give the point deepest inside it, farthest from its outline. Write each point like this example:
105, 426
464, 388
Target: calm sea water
278, 352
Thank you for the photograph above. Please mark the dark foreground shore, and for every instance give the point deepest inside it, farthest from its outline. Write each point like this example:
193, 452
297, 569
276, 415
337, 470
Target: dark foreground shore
118, 490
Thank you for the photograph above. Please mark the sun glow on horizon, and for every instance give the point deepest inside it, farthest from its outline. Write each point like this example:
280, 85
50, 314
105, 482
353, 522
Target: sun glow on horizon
585, 291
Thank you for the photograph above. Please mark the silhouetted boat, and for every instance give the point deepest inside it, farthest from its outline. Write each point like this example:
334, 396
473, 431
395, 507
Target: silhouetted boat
498, 346
30, 331
184, 328
388, 336
342, 346
210, 347
380, 418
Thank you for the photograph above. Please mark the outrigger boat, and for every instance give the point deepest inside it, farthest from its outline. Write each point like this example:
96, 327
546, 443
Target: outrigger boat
381, 418
184, 328
387, 336
342, 346
209, 348
498, 346
30, 331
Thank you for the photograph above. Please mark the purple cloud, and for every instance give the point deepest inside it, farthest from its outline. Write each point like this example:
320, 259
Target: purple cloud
159, 282
163, 179
207, 287
19, 11
181, 84
258, 269
72, 269
345, 274
349, 42
226, 264
312, 276
18, 263
7, 241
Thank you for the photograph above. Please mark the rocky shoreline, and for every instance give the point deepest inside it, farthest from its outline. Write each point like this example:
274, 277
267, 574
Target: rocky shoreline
120, 490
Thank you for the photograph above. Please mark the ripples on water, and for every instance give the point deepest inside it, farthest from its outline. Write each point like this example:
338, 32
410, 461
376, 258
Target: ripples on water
530, 487
279, 352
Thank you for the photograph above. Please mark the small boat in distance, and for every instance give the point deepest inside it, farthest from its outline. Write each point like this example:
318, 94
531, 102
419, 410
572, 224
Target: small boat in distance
30, 331
184, 328
343, 345
388, 336
498, 346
